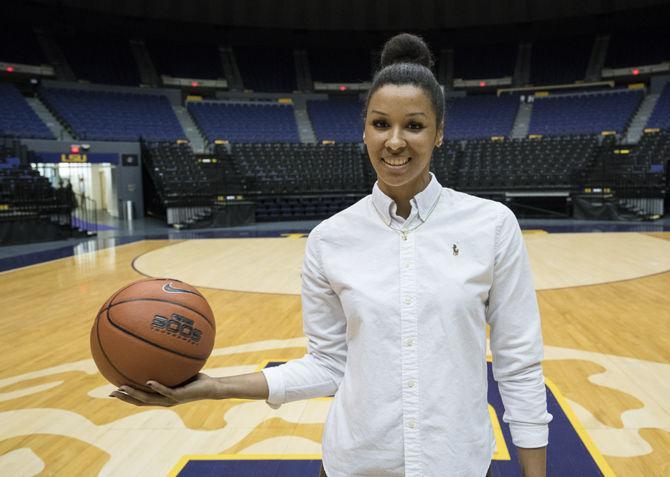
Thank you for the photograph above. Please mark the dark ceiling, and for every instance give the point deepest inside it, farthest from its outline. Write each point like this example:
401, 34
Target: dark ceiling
361, 15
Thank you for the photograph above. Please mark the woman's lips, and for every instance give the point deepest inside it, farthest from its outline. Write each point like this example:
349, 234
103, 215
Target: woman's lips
396, 161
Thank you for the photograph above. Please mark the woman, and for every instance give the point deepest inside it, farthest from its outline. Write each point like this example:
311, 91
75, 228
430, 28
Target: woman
396, 293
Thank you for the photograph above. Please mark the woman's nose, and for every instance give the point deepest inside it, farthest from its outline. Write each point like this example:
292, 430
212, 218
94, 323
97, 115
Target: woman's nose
395, 142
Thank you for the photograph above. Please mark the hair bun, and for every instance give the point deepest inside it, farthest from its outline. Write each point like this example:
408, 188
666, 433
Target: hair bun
406, 48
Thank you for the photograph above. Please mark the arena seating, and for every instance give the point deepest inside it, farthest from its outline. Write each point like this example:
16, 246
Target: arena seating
114, 116
584, 113
336, 65
186, 60
636, 48
32, 209
338, 119
100, 59
660, 117
18, 44
17, 119
180, 178
472, 61
266, 69
525, 164
561, 60
480, 116
245, 122
284, 168
446, 163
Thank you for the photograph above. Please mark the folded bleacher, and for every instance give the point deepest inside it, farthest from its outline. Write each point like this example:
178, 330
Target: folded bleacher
338, 119
17, 118
249, 122
114, 116
475, 117
660, 117
590, 113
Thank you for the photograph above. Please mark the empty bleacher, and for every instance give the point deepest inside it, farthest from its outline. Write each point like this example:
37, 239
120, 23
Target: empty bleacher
474, 61
480, 116
245, 122
338, 119
31, 209
560, 60
18, 44
338, 65
525, 164
100, 59
17, 119
186, 60
114, 116
590, 113
266, 69
638, 47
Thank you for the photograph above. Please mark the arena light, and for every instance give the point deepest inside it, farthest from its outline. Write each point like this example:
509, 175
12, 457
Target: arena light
195, 84
482, 84
636, 72
10, 69
343, 88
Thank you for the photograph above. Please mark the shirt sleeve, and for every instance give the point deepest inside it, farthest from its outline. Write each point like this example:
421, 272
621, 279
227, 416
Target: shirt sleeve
320, 371
516, 338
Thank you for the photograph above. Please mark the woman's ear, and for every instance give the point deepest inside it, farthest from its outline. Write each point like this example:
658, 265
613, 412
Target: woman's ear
439, 137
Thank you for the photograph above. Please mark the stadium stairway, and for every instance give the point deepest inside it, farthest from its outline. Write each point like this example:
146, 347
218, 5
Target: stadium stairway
55, 126
640, 119
522, 121
305, 129
192, 133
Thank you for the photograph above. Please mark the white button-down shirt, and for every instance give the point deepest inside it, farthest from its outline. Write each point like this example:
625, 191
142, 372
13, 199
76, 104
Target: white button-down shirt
395, 313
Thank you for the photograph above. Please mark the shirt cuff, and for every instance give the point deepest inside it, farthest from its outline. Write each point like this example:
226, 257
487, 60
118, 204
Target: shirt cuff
277, 390
530, 436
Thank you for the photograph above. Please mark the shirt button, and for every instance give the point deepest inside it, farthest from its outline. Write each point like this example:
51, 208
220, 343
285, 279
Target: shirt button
411, 384
410, 342
408, 300
411, 423
407, 264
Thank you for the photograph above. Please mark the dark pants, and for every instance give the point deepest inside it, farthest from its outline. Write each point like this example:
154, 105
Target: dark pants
489, 473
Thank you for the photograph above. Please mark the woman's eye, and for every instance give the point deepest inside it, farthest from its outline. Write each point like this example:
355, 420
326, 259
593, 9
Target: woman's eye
379, 123
415, 125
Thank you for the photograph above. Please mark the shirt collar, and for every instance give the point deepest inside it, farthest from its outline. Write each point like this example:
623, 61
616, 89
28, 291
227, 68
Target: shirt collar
423, 202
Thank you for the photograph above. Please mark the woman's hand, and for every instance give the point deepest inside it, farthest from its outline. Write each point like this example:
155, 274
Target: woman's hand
201, 387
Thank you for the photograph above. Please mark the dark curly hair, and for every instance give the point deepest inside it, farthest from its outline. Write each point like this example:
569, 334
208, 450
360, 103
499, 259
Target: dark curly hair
406, 59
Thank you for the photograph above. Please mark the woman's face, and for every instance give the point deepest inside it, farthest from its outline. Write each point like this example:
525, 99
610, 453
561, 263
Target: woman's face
400, 134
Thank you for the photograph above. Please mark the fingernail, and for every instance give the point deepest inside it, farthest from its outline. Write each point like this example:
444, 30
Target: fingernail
150, 383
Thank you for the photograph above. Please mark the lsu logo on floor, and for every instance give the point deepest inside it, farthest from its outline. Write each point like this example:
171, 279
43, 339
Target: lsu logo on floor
570, 451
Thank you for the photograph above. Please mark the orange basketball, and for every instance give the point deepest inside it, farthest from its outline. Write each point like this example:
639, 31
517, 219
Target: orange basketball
156, 328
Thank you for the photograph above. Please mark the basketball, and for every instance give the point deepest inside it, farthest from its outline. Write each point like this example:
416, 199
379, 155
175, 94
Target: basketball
158, 329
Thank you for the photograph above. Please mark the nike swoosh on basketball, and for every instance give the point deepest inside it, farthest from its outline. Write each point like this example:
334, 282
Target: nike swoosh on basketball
168, 288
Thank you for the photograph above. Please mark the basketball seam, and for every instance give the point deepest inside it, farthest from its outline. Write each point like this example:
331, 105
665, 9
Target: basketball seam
102, 350
166, 301
121, 328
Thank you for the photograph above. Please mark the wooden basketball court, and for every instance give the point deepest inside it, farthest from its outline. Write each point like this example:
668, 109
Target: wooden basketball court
604, 298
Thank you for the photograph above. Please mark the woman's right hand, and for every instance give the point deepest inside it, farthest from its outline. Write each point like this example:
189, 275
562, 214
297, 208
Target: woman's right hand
201, 387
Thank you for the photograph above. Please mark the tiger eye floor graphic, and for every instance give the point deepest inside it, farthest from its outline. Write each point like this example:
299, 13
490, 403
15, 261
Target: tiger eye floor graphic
606, 323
